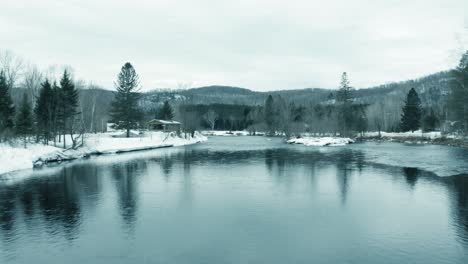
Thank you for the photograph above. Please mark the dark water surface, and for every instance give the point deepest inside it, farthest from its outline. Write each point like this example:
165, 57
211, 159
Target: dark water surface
242, 200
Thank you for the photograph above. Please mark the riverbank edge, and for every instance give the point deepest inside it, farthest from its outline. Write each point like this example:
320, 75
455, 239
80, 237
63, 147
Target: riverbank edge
60, 156
442, 141
83, 153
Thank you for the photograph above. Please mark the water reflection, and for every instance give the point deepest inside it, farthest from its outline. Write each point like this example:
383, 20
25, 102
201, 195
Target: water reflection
411, 176
53, 203
125, 178
458, 186
57, 207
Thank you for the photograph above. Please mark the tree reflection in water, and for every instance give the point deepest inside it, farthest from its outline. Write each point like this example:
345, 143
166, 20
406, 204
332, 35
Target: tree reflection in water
56, 205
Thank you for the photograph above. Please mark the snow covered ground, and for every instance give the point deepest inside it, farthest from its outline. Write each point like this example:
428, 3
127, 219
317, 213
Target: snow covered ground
416, 134
321, 141
109, 143
16, 157
224, 133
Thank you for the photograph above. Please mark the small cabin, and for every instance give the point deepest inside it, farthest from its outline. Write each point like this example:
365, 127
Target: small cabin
164, 125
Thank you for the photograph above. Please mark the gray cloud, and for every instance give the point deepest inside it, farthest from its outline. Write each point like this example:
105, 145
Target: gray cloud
261, 45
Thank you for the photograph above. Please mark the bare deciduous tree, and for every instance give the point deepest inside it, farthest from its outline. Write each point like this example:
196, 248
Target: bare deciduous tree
12, 66
210, 117
32, 82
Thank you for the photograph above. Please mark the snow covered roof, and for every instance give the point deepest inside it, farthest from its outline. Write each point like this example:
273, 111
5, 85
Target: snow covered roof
164, 122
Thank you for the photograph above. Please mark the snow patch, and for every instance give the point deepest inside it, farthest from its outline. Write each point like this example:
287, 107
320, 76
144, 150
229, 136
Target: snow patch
321, 141
16, 157
225, 133
416, 134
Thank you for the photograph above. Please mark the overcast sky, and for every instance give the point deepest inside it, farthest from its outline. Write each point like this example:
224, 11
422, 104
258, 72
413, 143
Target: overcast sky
261, 45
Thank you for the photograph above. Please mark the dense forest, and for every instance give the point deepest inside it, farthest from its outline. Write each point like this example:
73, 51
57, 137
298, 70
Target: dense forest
45, 106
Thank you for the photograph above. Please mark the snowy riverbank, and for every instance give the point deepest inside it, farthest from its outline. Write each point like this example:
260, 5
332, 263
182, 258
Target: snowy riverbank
418, 134
15, 157
224, 133
321, 141
419, 137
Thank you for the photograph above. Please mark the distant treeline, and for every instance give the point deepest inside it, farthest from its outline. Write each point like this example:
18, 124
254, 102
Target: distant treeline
46, 106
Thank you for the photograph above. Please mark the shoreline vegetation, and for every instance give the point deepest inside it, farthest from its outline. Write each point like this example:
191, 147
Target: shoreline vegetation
416, 137
443, 140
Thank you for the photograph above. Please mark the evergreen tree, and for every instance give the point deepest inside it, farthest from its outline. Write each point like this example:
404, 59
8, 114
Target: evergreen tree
346, 113
270, 114
360, 118
124, 109
44, 110
68, 104
56, 112
458, 104
430, 121
23, 124
411, 116
166, 112
7, 109
344, 93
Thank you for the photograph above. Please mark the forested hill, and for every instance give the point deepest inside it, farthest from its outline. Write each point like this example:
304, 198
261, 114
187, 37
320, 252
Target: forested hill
384, 101
431, 88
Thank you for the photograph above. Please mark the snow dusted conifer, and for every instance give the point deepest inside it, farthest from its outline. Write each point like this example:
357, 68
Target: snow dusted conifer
67, 104
166, 112
270, 115
124, 109
23, 125
411, 116
459, 92
44, 111
346, 113
7, 109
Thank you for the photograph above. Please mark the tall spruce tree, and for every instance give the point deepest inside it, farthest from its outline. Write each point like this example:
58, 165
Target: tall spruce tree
23, 124
411, 116
346, 112
57, 123
68, 104
124, 112
458, 104
166, 112
270, 115
44, 111
7, 109
430, 121
344, 93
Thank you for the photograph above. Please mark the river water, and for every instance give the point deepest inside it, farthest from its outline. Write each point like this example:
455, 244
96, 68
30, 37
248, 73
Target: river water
242, 200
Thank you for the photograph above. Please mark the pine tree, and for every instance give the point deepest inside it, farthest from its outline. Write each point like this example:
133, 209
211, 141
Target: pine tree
360, 118
411, 116
346, 113
7, 109
44, 111
68, 104
23, 124
344, 93
166, 112
270, 114
57, 113
430, 121
458, 103
124, 109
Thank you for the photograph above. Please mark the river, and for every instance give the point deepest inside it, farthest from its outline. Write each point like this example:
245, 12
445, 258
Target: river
242, 200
